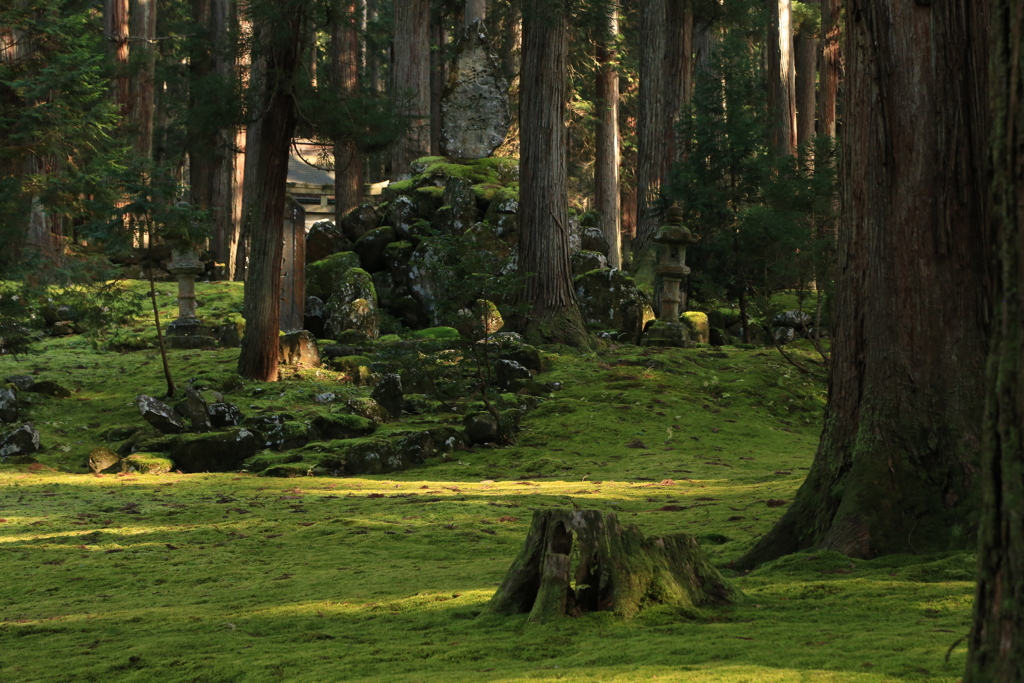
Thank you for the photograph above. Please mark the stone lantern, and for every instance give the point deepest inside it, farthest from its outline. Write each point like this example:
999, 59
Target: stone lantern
672, 239
187, 332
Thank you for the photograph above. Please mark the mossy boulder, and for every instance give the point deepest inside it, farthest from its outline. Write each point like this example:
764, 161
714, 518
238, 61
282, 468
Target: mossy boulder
609, 300
324, 239
374, 456
323, 276
286, 471
359, 221
330, 427
698, 326
370, 248
401, 214
146, 463
396, 256
428, 199
586, 261
214, 452
504, 202
102, 459
359, 316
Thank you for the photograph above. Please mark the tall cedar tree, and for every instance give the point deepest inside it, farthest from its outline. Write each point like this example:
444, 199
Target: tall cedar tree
828, 68
411, 81
781, 77
279, 29
548, 292
606, 152
666, 79
895, 469
344, 78
997, 641
210, 139
805, 59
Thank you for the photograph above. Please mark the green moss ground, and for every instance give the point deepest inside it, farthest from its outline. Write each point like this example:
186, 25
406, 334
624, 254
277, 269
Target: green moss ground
235, 577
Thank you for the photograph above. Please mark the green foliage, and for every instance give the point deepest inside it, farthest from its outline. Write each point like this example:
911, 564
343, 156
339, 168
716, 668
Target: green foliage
764, 220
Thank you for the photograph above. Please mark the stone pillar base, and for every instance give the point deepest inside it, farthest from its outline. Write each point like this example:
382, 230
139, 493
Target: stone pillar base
189, 333
661, 333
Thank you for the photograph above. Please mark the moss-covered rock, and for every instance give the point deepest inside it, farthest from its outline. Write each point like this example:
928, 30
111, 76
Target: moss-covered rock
697, 324
359, 221
146, 463
324, 239
329, 427
609, 300
214, 452
323, 276
370, 248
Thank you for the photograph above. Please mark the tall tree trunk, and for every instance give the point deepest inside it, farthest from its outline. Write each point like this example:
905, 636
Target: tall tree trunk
996, 653
209, 142
438, 76
781, 78
282, 51
894, 471
553, 312
411, 81
666, 80
829, 69
511, 39
115, 33
143, 60
805, 55
348, 159
606, 154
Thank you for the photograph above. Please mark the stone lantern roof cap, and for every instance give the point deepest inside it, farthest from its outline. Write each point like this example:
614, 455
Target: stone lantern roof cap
674, 232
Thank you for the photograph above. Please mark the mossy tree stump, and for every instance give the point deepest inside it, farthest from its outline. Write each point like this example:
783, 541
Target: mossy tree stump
577, 561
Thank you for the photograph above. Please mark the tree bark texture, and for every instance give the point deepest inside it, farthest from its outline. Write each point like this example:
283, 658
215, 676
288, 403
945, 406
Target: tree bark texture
805, 57
210, 143
996, 652
143, 61
548, 290
781, 78
895, 471
666, 81
348, 159
577, 561
115, 32
829, 69
261, 307
606, 154
411, 82
438, 76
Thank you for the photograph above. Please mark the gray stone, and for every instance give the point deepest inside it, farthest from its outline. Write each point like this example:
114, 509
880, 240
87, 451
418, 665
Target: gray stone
359, 221
795, 319
22, 382
474, 109
609, 300
401, 215
49, 388
216, 452
370, 248
586, 261
593, 239
388, 393
159, 414
481, 428
17, 445
324, 239
62, 328
480, 321
368, 408
459, 194
101, 459
300, 349
323, 276
224, 415
194, 409
374, 456
506, 372
329, 427
229, 335
783, 335
190, 333
314, 315
397, 255
359, 316
8, 405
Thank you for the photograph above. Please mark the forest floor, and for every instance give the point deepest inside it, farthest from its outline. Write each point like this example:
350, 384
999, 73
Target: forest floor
238, 577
